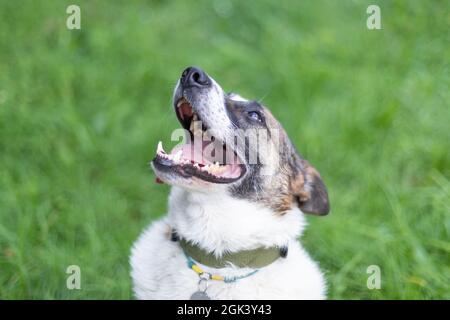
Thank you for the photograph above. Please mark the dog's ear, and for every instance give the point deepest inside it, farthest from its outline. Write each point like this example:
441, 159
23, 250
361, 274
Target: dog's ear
309, 190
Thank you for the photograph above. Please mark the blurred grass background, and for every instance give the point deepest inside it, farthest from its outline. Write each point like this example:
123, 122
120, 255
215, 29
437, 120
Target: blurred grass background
81, 112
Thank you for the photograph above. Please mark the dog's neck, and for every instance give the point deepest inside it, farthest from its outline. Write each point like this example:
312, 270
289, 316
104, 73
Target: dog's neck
220, 223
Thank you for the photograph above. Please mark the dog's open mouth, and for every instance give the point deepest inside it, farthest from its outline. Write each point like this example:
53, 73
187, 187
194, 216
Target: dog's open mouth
202, 156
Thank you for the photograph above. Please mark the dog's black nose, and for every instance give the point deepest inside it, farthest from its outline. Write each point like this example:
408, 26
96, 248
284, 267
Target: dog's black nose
194, 77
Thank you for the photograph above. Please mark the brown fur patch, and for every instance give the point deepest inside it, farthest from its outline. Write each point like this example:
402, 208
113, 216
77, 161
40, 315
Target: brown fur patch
292, 182
314, 197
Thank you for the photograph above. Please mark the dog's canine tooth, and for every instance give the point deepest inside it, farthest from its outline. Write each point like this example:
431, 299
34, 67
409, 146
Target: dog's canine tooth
160, 149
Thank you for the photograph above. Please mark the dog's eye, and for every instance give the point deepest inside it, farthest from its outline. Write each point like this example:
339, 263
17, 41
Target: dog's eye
255, 115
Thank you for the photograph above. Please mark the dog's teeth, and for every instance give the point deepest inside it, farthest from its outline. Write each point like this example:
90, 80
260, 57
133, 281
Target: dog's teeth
215, 168
212, 169
177, 156
196, 128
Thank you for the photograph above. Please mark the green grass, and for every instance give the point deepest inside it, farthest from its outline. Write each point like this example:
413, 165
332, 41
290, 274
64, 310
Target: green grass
81, 112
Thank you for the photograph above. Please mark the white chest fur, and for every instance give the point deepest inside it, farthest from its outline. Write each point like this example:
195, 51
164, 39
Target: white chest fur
159, 269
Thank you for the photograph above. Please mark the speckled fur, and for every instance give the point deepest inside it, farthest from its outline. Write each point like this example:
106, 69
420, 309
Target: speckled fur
264, 208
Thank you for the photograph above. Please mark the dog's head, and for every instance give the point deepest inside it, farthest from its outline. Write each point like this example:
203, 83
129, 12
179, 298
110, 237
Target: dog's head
236, 146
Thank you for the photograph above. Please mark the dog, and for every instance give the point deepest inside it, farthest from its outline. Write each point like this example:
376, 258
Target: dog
233, 222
